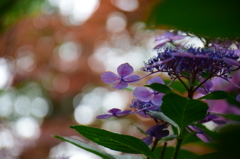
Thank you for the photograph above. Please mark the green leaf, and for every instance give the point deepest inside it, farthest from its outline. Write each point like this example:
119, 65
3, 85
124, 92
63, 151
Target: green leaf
183, 111
215, 155
216, 95
162, 88
87, 147
114, 141
208, 18
163, 117
230, 116
127, 157
168, 138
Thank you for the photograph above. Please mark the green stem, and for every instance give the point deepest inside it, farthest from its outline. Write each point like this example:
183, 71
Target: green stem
179, 142
163, 150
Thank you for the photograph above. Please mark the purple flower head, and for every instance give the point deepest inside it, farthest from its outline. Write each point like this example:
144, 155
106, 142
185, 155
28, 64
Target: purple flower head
114, 113
167, 37
156, 131
200, 134
212, 117
190, 62
122, 79
238, 98
145, 95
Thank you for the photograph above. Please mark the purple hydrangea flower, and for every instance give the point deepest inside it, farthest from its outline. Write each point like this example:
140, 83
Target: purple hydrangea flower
238, 98
194, 63
156, 131
145, 95
122, 79
114, 113
206, 87
200, 134
167, 37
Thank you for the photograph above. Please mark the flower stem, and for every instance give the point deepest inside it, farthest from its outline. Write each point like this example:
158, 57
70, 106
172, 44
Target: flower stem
179, 142
163, 150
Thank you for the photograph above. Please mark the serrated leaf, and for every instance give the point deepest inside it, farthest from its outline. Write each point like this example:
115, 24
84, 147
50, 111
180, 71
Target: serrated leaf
87, 147
161, 88
230, 116
114, 141
215, 95
183, 111
160, 115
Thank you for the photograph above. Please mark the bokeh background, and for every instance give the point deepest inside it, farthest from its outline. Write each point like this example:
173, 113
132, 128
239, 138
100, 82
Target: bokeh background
52, 55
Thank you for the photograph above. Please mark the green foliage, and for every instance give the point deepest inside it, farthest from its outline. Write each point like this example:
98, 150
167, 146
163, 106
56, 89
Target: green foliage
162, 88
85, 146
12, 11
216, 95
183, 111
207, 18
114, 141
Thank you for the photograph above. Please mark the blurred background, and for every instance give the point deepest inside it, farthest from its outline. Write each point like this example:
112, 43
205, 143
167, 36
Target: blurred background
52, 55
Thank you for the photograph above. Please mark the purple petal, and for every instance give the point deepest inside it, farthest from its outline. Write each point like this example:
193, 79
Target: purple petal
204, 137
123, 113
148, 140
160, 43
231, 61
155, 79
238, 98
177, 37
124, 70
114, 110
104, 116
131, 78
155, 130
120, 85
157, 99
143, 94
202, 91
208, 85
182, 54
161, 134
195, 128
109, 77
143, 114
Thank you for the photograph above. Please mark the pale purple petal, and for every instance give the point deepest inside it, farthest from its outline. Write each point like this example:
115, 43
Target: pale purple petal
155, 79
157, 99
120, 85
231, 61
148, 140
168, 34
202, 91
238, 98
104, 116
182, 54
109, 77
160, 43
177, 37
195, 128
208, 85
204, 137
143, 94
123, 113
131, 78
124, 70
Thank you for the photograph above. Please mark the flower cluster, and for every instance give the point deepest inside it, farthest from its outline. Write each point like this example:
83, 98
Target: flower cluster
187, 63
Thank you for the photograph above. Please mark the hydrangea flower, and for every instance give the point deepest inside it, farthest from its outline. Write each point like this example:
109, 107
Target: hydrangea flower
206, 87
122, 79
114, 113
157, 132
145, 95
212, 117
